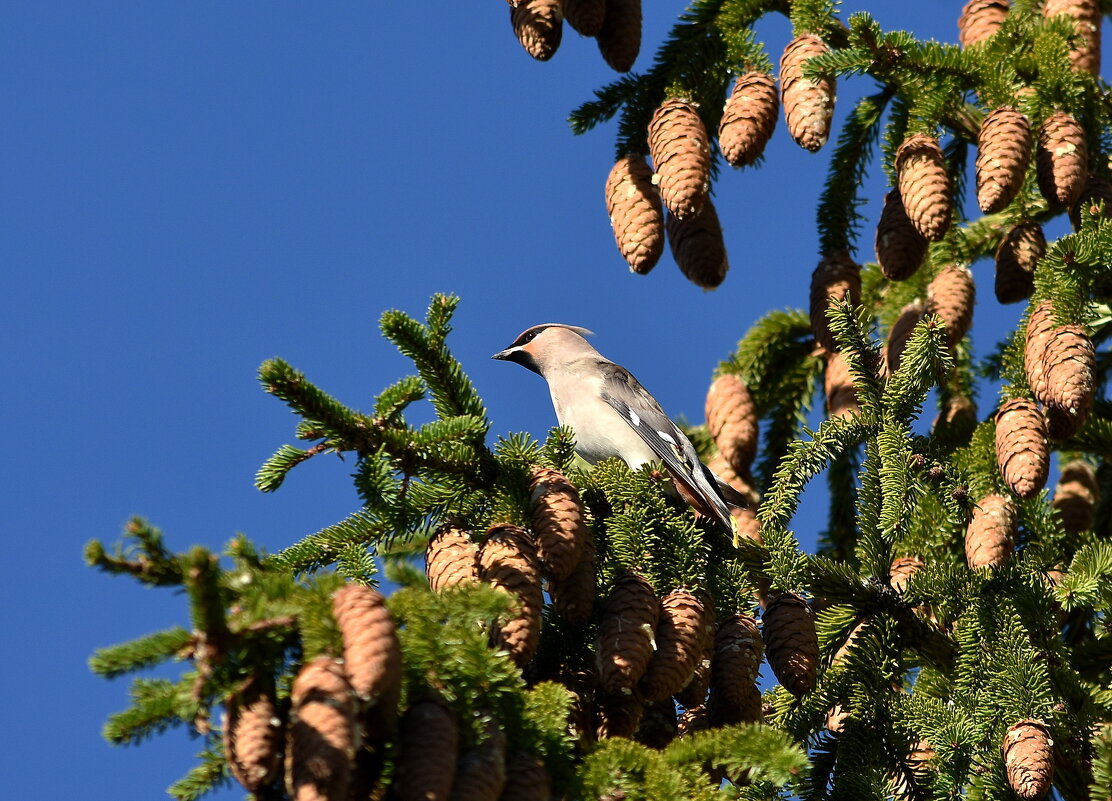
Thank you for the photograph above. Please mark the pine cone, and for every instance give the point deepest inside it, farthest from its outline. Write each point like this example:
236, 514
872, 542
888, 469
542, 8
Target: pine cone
1085, 57
508, 562
925, 187
428, 743
658, 724
738, 650
451, 558
539, 26
1061, 164
680, 150
748, 118
900, 248
1096, 191
619, 39
625, 636
694, 693
1016, 259
693, 720
1070, 370
1040, 329
1021, 448
1003, 149
558, 522
837, 277
900, 334
633, 205
527, 779
991, 533
697, 247
574, 597
372, 656
618, 714
792, 642
252, 739
677, 646
584, 16
951, 295
321, 738
808, 105
841, 397
1029, 759
481, 771
732, 421
1075, 497
956, 420
901, 571
980, 19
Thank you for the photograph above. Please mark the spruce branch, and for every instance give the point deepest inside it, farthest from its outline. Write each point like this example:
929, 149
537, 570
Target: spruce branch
360, 528
145, 558
208, 775
141, 653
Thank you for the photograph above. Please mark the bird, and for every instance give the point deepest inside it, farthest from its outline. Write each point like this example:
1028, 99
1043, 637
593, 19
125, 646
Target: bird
612, 415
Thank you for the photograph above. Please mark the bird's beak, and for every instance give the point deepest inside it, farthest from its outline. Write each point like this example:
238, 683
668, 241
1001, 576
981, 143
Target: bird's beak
503, 354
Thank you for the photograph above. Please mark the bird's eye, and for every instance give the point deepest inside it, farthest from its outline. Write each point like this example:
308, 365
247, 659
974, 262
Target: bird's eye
529, 337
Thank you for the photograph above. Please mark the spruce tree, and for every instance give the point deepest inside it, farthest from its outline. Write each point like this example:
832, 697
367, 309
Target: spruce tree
560, 631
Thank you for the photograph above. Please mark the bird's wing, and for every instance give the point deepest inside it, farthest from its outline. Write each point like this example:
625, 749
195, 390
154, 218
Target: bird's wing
643, 414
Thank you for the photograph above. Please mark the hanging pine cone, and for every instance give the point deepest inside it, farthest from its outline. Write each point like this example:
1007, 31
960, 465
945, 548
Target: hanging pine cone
837, 277
791, 642
900, 334
1085, 56
252, 739
625, 636
558, 522
925, 187
956, 420
680, 150
372, 656
428, 742
321, 738
677, 646
808, 104
658, 725
508, 562
451, 558
1069, 367
481, 771
1016, 258
841, 397
748, 118
527, 779
1075, 497
738, 650
901, 571
1003, 149
584, 16
1061, 164
951, 295
1029, 759
619, 38
574, 597
698, 248
692, 720
633, 205
1096, 191
732, 421
539, 26
1040, 328
618, 714
990, 536
900, 248
980, 19
694, 693
1021, 448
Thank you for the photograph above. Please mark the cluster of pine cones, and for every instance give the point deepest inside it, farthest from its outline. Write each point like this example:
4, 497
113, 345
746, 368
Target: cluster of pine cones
614, 24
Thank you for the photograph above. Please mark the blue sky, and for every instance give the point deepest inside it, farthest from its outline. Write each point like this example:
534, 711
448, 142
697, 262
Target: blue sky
190, 188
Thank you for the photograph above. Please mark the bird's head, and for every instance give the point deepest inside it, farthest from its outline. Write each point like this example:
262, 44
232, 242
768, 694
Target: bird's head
544, 346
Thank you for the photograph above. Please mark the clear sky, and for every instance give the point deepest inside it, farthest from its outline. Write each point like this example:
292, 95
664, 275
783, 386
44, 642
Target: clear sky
192, 187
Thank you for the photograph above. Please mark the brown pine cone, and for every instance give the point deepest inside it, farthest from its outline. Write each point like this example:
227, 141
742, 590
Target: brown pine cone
428, 743
900, 248
481, 771
1096, 191
680, 150
1029, 759
574, 597
925, 186
1085, 56
901, 571
1016, 258
808, 104
1003, 149
321, 738
951, 295
558, 522
738, 650
584, 16
1061, 164
990, 536
527, 779
956, 420
625, 636
539, 26
619, 38
677, 646
900, 334
372, 656
1069, 365
694, 693
732, 421
748, 118
1075, 497
508, 562
698, 248
791, 642
1040, 329
837, 277
633, 205
1021, 447
841, 397
252, 739
618, 714
451, 558
980, 19
916, 770
658, 725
